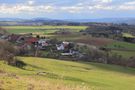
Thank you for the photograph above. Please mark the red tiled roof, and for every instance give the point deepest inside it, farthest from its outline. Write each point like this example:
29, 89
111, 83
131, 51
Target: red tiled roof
31, 40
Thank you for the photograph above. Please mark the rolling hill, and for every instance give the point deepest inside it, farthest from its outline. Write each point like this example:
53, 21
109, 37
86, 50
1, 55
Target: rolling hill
51, 74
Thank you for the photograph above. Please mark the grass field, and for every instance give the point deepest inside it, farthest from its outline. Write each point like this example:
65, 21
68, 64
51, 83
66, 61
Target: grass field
33, 29
125, 49
65, 75
125, 54
70, 37
128, 35
121, 45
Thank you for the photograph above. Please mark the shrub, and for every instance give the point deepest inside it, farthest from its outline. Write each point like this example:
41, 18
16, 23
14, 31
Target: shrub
8, 52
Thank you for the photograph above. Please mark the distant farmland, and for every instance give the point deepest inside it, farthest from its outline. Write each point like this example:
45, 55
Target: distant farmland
42, 29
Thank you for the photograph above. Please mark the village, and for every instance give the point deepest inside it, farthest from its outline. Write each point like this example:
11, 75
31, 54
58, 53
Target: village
41, 46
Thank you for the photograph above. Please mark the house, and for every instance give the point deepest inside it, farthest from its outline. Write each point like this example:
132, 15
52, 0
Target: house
25, 49
4, 37
43, 43
70, 53
21, 39
31, 40
62, 46
13, 37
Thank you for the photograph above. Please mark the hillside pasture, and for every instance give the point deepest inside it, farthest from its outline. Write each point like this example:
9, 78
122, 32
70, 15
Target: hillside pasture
51, 74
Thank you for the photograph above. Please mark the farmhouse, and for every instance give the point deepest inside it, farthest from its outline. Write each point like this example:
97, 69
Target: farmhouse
63, 45
60, 47
31, 40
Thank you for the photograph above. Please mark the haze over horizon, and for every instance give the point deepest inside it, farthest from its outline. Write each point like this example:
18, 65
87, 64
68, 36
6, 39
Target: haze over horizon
67, 9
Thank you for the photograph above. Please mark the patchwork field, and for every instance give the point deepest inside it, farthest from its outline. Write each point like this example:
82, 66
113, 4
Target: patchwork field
42, 29
51, 74
128, 49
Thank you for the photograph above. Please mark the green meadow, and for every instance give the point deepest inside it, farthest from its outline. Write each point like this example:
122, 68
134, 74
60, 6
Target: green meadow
128, 35
124, 49
121, 45
65, 75
125, 54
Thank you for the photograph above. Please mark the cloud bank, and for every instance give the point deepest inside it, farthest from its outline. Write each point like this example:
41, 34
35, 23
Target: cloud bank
87, 6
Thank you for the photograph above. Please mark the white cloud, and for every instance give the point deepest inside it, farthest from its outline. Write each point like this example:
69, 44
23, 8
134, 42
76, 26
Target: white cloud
102, 7
127, 6
130, 3
94, 5
72, 9
106, 1
46, 8
20, 8
102, 1
31, 2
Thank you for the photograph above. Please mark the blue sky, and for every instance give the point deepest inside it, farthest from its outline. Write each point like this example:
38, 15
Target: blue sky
67, 9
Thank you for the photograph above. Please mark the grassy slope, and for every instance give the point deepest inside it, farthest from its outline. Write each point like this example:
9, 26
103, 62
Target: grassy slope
63, 75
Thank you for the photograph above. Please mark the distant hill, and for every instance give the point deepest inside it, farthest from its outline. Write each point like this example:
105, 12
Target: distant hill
106, 20
33, 21
11, 19
40, 21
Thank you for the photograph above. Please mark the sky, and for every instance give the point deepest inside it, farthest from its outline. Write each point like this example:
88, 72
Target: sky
67, 9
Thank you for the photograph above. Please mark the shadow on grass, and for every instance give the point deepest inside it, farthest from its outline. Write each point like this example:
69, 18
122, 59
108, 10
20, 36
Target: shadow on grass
34, 67
79, 68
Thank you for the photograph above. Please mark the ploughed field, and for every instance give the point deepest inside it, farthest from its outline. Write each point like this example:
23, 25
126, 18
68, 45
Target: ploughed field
51, 74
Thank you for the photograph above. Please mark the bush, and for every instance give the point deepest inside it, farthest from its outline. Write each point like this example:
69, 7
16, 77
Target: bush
8, 52
19, 63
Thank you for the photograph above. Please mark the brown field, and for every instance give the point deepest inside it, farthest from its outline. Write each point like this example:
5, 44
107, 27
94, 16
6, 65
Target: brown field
94, 41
